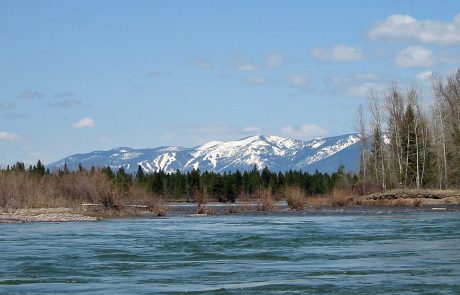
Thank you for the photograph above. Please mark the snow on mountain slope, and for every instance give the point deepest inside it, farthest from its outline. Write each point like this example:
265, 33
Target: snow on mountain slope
276, 153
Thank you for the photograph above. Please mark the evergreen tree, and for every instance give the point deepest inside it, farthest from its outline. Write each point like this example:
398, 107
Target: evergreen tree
39, 169
123, 180
66, 169
265, 177
193, 181
80, 168
238, 181
140, 175
376, 159
179, 184
107, 171
157, 183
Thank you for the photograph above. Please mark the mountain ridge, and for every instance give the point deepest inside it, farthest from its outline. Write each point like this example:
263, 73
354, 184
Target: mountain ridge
324, 154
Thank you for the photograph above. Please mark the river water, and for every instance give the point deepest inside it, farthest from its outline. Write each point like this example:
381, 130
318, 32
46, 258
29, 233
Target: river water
238, 254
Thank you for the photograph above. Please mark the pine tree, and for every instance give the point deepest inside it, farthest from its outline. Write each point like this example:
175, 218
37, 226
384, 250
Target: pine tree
193, 181
410, 149
376, 157
265, 177
140, 175
179, 184
39, 169
158, 183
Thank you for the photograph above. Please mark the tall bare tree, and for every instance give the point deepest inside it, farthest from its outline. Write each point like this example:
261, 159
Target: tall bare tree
447, 95
375, 111
394, 107
360, 127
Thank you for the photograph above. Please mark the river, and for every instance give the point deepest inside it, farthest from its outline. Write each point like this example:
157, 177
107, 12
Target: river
415, 252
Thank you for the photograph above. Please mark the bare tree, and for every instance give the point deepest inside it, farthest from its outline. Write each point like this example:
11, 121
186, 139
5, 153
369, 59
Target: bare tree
439, 136
360, 127
378, 140
394, 107
413, 99
402, 152
447, 95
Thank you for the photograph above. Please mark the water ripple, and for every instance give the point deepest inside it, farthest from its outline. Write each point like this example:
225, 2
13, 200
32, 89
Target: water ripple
393, 253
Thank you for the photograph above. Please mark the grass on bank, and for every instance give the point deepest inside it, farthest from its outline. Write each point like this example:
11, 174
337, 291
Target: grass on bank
26, 190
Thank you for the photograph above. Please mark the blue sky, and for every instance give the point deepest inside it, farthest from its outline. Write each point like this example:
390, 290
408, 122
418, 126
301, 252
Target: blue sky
78, 76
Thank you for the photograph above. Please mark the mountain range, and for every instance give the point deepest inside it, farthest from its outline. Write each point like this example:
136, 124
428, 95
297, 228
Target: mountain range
324, 154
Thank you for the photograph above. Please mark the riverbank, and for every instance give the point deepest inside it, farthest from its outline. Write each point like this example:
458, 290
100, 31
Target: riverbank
44, 215
388, 202
210, 209
410, 198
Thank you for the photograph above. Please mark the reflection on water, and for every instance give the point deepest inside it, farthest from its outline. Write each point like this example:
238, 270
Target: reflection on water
260, 254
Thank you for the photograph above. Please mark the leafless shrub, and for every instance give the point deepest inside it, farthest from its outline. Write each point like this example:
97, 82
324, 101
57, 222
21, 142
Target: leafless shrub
295, 198
233, 209
317, 201
205, 210
201, 197
340, 198
417, 202
106, 193
153, 203
400, 202
266, 201
245, 198
159, 206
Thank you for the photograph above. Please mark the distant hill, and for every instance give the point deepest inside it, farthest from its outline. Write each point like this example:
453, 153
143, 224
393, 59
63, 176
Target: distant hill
276, 153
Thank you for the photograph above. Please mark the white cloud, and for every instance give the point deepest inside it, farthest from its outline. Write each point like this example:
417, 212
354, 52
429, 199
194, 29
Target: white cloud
406, 28
307, 131
30, 94
247, 67
65, 94
424, 76
449, 57
6, 106
200, 133
256, 80
363, 89
85, 122
65, 103
364, 77
339, 53
297, 80
356, 85
202, 63
274, 60
414, 56
252, 129
7, 136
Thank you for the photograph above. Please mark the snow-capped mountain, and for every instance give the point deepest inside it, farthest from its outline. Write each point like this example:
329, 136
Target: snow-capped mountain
276, 153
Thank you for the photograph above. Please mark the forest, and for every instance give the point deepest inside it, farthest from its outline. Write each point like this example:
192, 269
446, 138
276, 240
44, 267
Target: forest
22, 186
410, 141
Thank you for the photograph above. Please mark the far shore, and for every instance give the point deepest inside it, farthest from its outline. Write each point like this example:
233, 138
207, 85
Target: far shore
388, 202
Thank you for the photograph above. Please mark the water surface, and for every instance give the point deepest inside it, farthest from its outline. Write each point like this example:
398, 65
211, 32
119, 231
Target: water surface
249, 254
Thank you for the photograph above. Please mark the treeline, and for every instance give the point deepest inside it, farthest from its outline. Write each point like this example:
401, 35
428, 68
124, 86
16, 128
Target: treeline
413, 143
112, 187
230, 185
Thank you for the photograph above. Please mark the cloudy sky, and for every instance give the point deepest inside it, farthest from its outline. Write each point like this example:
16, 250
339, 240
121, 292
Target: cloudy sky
78, 76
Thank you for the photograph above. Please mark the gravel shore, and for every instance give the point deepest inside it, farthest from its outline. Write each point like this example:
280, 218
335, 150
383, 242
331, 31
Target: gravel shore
42, 215
372, 204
